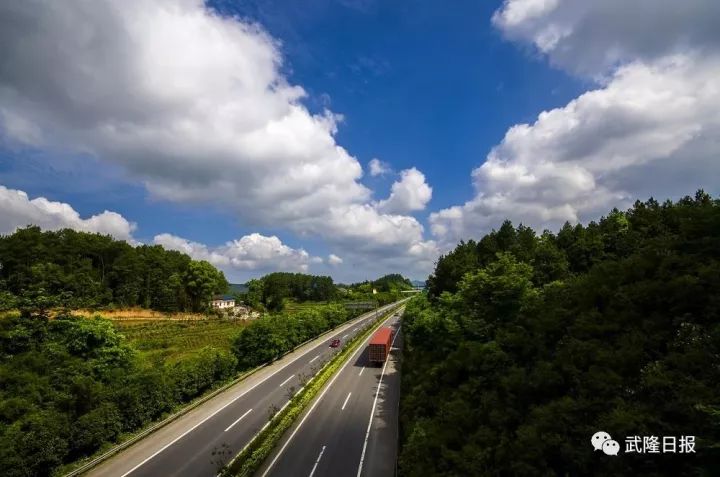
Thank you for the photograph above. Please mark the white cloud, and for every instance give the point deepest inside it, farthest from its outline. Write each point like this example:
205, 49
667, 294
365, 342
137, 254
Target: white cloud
254, 252
649, 128
410, 193
592, 37
18, 210
334, 260
378, 167
193, 104
651, 131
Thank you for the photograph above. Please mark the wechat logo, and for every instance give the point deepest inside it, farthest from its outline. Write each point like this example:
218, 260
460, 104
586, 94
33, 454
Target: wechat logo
602, 441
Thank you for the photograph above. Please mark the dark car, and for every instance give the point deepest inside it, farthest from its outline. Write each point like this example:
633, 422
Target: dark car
335, 343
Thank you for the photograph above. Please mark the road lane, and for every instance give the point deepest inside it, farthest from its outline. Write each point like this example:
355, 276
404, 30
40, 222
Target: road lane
339, 426
198, 442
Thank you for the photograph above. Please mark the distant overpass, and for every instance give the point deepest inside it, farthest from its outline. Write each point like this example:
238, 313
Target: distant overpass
414, 290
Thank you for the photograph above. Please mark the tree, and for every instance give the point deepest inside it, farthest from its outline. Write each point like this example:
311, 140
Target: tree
534, 343
202, 281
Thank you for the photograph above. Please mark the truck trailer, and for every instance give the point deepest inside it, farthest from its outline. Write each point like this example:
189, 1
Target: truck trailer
379, 347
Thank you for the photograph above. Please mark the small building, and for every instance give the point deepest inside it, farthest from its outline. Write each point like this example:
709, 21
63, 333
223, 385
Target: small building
222, 302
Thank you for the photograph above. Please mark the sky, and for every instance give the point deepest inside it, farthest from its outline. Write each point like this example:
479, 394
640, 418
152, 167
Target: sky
351, 138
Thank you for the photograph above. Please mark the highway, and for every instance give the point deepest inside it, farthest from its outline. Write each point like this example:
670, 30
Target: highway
351, 429
199, 442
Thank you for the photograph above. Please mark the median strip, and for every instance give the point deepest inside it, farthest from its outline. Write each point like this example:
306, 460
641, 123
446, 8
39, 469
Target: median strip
249, 460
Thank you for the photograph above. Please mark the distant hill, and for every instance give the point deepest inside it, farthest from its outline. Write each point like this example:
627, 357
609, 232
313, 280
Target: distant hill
238, 288
418, 283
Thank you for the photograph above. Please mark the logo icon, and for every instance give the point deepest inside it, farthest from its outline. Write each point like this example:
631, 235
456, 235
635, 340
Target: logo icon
598, 438
611, 447
602, 441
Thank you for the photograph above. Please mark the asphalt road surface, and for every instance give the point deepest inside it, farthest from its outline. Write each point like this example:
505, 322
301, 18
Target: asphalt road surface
200, 442
350, 429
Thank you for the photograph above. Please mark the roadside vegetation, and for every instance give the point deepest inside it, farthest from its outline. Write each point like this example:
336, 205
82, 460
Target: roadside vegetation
527, 345
72, 385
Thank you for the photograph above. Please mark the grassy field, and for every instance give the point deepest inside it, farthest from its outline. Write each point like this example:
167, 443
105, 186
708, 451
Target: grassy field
170, 337
293, 306
171, 340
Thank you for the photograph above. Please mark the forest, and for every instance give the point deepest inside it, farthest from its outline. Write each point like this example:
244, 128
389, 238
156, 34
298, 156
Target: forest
271, 291
526, 345
75, 270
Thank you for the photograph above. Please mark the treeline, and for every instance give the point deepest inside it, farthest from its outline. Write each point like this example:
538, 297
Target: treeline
70, 385
384, 290
271, 336
271, 291
85, 270
527, 345
386, 283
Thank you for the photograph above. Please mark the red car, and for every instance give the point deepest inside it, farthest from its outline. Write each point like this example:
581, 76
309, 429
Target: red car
335, 343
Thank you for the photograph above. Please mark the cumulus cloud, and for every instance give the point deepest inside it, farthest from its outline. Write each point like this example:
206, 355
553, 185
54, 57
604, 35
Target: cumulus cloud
648, 128
192, 104
254, 252
595, 36
651, 131
334, 259
378, 167
18, 210
410, 193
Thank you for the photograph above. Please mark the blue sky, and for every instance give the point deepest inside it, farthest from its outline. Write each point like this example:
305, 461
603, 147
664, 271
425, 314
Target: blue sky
430, 91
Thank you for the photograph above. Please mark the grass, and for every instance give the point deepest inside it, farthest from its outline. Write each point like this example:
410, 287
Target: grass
170, 341
291, 306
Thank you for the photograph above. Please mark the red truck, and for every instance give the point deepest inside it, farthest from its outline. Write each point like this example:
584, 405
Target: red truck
379, 347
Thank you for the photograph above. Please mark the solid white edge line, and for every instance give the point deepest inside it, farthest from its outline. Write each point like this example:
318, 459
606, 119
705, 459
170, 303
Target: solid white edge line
372, 413
319, 398
238, 420
345, 403
285, 382
221, 408
317, 462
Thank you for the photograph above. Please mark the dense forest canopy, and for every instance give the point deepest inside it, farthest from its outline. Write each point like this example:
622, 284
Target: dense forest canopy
87, 270
271, 291
527, 345
71, 385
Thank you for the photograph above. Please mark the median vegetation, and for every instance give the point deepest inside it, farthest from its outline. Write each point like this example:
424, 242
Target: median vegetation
252, 457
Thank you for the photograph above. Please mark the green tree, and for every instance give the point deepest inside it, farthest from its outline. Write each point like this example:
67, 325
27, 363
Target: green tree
202, 281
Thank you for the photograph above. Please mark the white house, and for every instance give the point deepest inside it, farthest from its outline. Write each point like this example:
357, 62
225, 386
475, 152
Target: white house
222, 302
